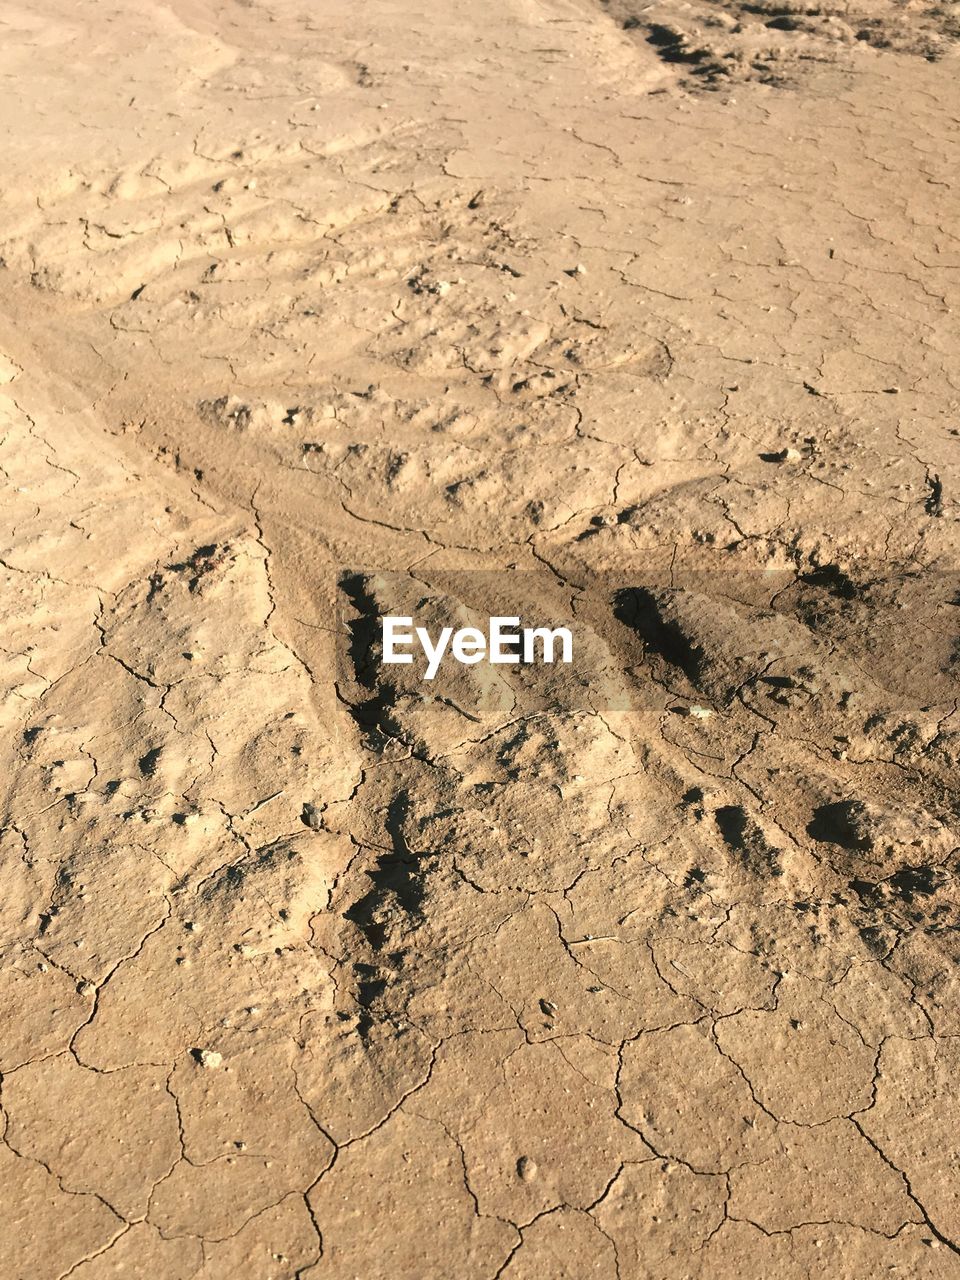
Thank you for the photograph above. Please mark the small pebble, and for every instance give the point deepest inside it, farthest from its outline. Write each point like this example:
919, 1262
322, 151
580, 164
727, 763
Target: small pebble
311, 817
208, 1058
526, 1169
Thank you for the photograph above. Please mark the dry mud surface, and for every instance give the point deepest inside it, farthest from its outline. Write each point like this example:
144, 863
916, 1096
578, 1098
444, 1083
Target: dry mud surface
643, 316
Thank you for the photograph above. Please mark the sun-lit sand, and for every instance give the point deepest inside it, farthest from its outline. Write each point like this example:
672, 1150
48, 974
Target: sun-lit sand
636, 320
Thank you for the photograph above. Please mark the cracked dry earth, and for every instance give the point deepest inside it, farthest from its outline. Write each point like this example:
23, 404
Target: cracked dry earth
641, 968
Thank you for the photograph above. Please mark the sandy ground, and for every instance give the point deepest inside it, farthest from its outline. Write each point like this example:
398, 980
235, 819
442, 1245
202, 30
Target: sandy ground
641, 317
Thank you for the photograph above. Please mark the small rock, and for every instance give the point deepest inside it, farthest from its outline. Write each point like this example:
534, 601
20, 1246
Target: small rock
312, 817
208, 1058
526, 1169
696, 712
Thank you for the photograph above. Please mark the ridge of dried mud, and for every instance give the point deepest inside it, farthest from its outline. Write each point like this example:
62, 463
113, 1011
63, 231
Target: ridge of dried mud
312, 315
